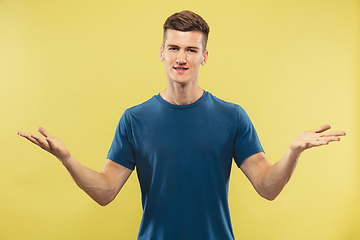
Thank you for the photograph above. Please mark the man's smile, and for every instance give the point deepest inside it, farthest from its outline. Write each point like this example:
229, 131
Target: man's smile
180, 69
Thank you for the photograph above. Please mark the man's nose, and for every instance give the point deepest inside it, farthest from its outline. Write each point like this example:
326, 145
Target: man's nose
181, 57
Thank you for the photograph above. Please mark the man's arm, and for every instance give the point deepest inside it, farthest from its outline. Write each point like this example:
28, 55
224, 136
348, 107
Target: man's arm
269, 180
101, 186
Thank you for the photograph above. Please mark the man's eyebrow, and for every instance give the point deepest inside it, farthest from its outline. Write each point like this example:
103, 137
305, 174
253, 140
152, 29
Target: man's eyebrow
171, 45
193, 47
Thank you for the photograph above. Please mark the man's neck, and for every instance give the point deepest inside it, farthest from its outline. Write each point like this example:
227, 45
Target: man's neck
182, 94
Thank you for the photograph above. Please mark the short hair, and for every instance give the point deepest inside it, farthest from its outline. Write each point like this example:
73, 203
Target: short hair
186, 21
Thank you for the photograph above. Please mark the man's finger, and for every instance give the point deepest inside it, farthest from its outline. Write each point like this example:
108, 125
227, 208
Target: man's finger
339, 133
330, 139
322, 128
41, 141
50, 142
43, 132
28, 137
317, 143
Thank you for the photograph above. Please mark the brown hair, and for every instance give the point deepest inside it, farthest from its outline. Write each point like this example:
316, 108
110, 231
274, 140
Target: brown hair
186, 21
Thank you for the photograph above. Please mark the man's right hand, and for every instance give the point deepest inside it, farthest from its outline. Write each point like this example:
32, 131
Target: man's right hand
48, 143
101, 186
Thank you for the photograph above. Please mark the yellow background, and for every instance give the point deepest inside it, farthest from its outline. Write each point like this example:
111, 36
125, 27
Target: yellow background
73, 67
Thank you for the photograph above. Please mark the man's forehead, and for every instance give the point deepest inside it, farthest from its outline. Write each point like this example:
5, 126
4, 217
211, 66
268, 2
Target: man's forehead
174, 37
170, 33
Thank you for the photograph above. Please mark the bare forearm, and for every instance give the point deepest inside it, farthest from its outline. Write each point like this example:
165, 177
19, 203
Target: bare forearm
269, 180
101, 186
95, 184
277, 176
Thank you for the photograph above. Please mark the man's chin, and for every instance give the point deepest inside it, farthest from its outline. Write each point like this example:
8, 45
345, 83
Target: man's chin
181, 81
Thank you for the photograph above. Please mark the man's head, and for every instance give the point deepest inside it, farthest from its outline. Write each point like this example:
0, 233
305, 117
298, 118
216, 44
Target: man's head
187, 21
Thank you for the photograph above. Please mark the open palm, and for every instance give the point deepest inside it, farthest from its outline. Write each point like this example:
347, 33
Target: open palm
48, 143
317, 137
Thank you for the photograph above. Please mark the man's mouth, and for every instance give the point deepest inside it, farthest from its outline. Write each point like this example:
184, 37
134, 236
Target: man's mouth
180, 68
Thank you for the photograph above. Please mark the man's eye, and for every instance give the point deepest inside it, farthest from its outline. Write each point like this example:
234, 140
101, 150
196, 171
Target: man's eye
172, 49
192, 51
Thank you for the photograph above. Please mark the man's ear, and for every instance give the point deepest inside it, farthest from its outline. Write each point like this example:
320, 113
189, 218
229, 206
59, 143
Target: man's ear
161, 53
206, 55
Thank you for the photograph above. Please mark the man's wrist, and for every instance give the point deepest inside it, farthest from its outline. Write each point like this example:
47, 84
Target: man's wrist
65, 160
295, 152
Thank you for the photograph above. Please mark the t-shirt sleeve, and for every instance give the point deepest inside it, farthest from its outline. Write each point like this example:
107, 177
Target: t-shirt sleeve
121, 150
247, 141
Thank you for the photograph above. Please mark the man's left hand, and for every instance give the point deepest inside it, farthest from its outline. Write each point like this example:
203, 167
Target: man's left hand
315, 138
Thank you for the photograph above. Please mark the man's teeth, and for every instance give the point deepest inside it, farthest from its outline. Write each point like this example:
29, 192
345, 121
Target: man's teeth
180, 68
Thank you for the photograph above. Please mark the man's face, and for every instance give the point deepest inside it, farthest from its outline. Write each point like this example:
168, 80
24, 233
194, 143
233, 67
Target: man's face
183, 54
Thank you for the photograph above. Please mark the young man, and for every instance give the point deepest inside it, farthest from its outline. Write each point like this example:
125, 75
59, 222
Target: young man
182, 142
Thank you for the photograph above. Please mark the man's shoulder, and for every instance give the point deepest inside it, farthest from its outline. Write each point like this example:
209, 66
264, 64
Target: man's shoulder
145, 104
144, 108
223, 104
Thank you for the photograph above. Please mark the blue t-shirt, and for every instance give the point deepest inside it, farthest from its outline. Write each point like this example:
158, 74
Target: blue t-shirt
183, 156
